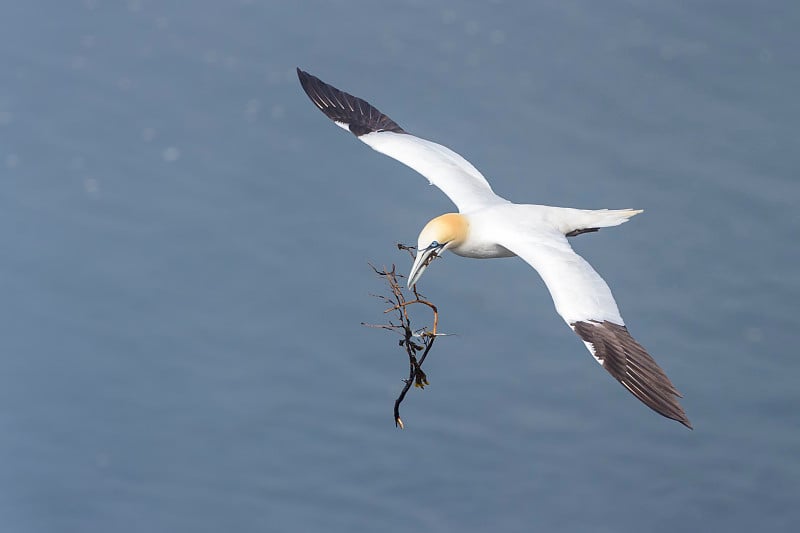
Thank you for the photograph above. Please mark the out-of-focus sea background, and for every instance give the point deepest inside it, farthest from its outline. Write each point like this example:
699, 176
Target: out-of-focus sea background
185, 247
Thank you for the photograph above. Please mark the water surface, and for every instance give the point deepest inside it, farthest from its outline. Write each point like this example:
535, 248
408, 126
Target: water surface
186, 241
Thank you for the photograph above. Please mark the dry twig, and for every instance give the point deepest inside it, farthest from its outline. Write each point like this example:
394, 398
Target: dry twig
415, 342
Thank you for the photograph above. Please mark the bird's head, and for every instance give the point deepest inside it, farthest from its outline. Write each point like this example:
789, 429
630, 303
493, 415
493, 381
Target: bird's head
442, 233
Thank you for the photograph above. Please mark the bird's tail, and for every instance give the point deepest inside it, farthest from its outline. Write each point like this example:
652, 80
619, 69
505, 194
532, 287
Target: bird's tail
604, 218
585, 220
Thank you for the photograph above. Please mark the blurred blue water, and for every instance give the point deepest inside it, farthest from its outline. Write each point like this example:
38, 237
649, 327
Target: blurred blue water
185, 267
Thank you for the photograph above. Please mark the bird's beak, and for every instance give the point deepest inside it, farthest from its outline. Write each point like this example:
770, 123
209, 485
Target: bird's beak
421, 262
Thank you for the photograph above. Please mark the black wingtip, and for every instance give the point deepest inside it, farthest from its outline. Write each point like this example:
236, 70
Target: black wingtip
302, 74
630, 364
343, 108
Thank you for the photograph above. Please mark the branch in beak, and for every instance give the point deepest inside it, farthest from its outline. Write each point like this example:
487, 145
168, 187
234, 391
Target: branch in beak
421, 262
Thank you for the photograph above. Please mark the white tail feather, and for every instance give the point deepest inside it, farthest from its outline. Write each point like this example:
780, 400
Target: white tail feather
571, 220
604, 218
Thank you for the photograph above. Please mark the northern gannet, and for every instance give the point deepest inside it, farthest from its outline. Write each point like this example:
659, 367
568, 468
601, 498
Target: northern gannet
488, 226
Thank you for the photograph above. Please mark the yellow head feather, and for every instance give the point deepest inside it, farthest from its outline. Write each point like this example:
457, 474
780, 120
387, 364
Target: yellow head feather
450, 228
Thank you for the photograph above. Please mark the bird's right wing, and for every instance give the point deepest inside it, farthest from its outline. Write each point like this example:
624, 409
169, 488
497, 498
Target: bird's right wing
453, 174
585, 302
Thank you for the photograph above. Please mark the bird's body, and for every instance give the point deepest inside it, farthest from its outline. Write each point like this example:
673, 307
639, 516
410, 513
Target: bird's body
489, 226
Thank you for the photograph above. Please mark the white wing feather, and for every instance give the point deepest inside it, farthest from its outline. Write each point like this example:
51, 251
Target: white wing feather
453, 174
578, 291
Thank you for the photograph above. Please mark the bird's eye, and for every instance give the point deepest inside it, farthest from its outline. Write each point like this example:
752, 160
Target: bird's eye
434, 244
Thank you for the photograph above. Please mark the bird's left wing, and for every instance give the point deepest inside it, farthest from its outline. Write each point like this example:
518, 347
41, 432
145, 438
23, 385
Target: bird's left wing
453, 174
585, 302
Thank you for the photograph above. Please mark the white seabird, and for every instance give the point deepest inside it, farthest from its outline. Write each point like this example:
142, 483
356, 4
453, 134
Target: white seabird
489, 226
